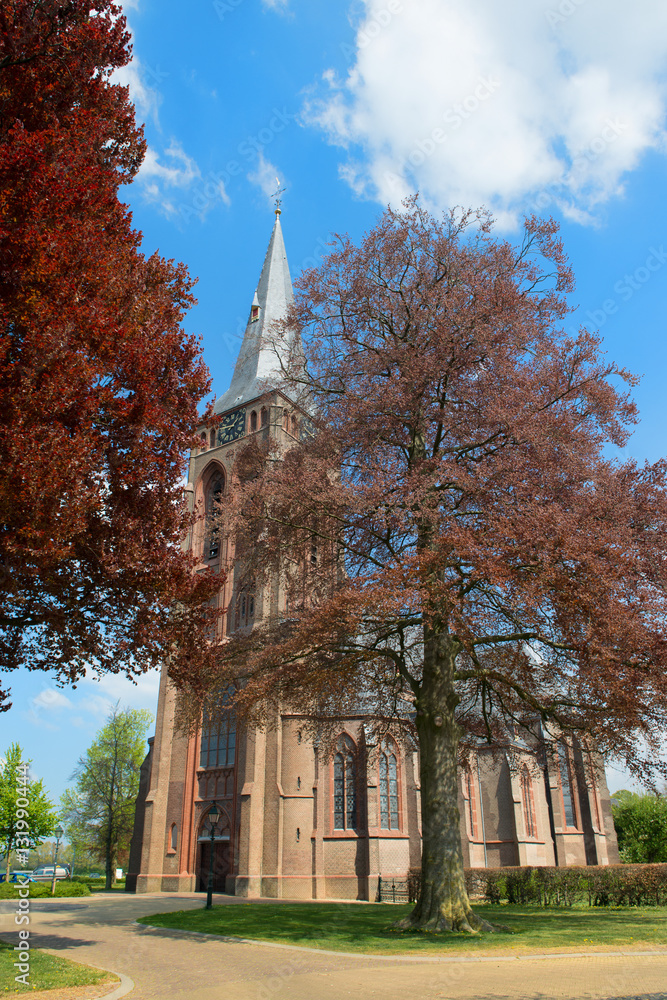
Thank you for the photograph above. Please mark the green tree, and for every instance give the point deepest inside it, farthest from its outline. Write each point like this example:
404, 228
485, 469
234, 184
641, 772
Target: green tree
98, 812
27, 814
641, 826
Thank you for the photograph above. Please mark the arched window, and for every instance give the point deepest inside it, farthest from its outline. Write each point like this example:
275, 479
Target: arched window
214, 492
566, 786
245, 608
295, 427
253, 420
529, 819
470, 802
285, 420
264, 416
202, 440
212, 439
389, 812
345, 786
218, 741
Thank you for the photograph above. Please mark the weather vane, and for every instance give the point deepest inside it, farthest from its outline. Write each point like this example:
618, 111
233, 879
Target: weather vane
276, 194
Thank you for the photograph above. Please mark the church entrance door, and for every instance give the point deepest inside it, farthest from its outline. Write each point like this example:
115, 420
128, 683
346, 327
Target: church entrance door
221, 864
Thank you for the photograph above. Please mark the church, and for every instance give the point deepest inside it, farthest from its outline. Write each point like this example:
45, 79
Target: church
294, 823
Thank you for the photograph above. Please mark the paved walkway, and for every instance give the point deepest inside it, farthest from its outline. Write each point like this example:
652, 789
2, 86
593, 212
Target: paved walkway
167, 965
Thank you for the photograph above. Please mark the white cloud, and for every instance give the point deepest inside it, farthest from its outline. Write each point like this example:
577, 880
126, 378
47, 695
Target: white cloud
162, 169
518, 107
146, 98
179, 171
51, 699
279, 5
102, 692
170, 170
266, 177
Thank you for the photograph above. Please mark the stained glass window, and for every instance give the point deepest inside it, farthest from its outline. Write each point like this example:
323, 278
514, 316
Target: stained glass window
566, 786
470, 802
344, 787
218, 742
388, 789
528, 804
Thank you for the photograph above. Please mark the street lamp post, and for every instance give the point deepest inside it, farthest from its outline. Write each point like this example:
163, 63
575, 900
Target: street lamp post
213, 817
58, 832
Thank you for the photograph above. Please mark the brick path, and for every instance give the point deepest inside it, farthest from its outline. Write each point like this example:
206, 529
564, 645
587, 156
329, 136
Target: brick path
167, 965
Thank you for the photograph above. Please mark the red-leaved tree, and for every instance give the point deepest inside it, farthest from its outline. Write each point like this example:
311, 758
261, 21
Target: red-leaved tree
462, 550
99, 385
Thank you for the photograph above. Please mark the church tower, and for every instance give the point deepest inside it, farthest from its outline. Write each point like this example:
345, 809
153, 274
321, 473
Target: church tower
294, 823
182, 776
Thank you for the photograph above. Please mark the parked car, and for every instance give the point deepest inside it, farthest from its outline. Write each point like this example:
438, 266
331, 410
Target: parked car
44, 873
16, 876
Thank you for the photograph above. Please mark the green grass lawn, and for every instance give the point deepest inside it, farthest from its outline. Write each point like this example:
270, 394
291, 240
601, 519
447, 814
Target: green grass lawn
46, 972
367, 928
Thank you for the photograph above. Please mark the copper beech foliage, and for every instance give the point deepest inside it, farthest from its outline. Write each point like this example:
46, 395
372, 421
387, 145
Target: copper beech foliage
99, 385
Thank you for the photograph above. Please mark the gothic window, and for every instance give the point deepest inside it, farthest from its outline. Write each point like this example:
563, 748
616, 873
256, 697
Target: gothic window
285, 420
264, 416
218, 741
245, 608
212, 439
202, 440
529, 820
470, 805
566, 786
253, 420
345, 786
214, 492
295, 427
388, 788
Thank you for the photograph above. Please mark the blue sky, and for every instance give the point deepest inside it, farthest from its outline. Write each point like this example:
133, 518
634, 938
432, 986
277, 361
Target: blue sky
553, 106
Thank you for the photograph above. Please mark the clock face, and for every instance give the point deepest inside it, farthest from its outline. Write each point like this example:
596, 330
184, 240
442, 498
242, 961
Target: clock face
231, 427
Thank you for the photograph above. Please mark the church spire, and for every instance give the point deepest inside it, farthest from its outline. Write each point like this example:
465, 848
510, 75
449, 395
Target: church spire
258, 364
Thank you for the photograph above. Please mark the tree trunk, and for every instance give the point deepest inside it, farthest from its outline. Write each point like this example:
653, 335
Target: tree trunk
108, 872
443, 903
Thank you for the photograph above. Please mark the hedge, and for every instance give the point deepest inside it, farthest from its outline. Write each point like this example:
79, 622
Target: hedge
598, 885
40, 890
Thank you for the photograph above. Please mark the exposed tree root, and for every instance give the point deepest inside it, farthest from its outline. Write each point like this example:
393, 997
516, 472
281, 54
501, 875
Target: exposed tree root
458, 918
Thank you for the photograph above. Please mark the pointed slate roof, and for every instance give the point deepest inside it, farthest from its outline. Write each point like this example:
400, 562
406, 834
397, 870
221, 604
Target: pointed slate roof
257, 367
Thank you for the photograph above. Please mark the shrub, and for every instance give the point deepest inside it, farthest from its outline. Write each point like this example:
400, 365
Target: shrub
598, 885
41, 890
